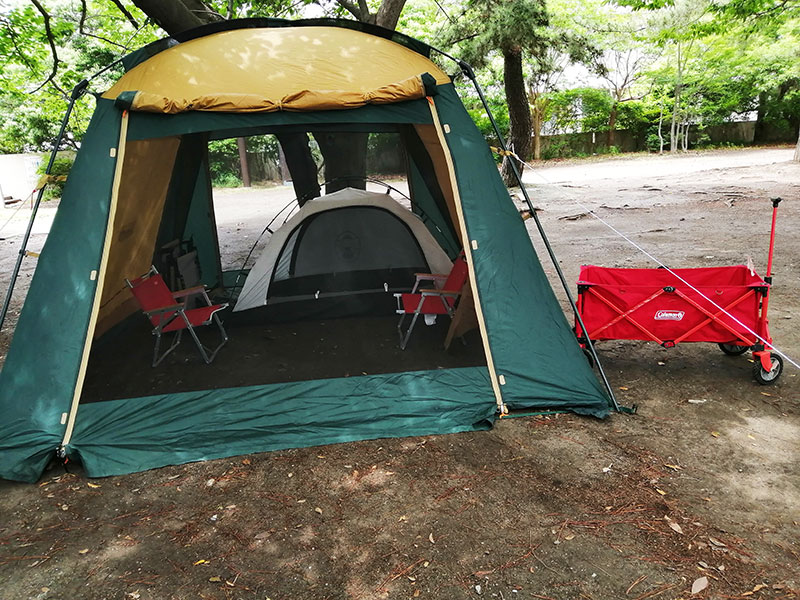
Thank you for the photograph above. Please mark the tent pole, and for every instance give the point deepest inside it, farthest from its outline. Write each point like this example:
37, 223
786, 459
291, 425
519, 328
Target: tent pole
77, 92
467, 70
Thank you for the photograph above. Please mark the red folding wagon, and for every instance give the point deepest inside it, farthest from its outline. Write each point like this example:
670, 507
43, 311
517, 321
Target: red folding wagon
726, 305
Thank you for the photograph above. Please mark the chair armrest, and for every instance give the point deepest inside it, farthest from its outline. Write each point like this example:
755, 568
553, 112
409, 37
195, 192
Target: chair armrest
163, 309
198, 289
428, 292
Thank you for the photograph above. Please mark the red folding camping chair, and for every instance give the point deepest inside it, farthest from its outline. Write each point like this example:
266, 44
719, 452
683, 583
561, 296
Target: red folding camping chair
438, 300
168, 312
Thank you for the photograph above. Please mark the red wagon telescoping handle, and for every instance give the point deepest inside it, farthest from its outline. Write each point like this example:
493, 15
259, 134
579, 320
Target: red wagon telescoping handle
775, 202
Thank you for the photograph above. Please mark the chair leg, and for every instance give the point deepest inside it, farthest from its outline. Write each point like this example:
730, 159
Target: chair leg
201, 348
156, 358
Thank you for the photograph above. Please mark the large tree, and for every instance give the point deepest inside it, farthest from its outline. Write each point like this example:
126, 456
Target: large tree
522, 34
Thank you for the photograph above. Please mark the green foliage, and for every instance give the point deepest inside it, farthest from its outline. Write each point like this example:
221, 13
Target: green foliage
223, 163
32, 99
61, 167
579, 110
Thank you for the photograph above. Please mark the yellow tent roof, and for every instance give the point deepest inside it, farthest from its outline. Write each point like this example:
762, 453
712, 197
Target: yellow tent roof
285, 68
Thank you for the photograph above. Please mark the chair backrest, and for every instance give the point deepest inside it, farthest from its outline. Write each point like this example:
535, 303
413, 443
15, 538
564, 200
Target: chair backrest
458, 274
151, 292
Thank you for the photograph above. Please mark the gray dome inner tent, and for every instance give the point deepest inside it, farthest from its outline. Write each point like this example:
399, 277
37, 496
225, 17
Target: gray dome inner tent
349, 250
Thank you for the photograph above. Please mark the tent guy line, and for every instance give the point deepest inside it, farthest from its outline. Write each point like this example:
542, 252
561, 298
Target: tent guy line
590, 211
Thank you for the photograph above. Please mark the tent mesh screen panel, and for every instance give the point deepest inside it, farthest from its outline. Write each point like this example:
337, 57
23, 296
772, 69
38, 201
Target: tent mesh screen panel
348, 249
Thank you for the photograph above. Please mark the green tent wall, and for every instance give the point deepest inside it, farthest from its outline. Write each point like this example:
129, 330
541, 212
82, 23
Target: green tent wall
534, 353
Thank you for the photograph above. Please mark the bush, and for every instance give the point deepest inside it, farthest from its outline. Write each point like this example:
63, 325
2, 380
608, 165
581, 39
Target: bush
557, 149
61, 167
226, 180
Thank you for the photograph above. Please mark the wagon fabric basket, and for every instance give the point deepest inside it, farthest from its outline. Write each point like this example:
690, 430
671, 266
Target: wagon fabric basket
725, 305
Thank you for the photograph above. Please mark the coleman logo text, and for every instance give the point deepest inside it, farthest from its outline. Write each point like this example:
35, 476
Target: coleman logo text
669, 315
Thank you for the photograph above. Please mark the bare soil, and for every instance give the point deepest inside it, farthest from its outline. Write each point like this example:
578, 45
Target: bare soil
702, 482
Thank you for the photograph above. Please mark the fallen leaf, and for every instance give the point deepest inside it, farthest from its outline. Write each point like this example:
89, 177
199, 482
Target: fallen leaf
215, 579
318, 510
245, 461
662, 492
675, 527
673, 467
229, 583
84, 551
699, 585
402, 519
430, 538
202, 561
623, 388
750, 436
760, 586
766, 394
703, 565
93, 485
569, 537
425, 564
716, 542
715, 433
416, 593
411, 578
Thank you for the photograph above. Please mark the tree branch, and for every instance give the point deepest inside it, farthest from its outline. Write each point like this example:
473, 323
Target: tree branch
51, 40
350, 7
131, 19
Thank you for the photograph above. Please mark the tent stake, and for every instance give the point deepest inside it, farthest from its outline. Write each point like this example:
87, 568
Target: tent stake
466, 68
77, 92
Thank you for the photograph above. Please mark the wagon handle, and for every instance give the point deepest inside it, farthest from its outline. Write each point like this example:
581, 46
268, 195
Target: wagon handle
775, 203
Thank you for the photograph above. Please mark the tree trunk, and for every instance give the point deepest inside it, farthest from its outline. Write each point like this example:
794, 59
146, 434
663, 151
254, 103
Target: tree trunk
177, 15
301, 165
518, 111
345, 160
660, 134
797, 149
537, 133
673, 140
242, 145
761, 111
389, 13
612, 124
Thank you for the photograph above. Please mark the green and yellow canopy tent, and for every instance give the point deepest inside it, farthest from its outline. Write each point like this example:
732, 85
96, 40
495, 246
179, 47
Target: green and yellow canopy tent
141, 177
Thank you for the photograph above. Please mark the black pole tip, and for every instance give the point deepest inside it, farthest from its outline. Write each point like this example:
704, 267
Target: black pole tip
79, 89
466, 68
776, 201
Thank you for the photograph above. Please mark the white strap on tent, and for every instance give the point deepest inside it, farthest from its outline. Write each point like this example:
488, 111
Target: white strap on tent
440, 134
591, 212
100, 276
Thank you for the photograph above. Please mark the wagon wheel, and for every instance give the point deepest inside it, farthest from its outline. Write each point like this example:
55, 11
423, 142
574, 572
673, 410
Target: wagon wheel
768, 377
733, 349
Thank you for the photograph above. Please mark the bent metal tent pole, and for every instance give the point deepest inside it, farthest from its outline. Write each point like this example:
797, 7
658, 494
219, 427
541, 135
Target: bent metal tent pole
466, 68
77, 92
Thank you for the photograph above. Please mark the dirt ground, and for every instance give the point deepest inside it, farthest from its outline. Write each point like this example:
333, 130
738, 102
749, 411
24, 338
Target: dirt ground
702, 485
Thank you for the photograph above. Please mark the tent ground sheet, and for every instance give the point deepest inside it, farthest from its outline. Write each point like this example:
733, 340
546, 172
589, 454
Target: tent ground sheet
257, 354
